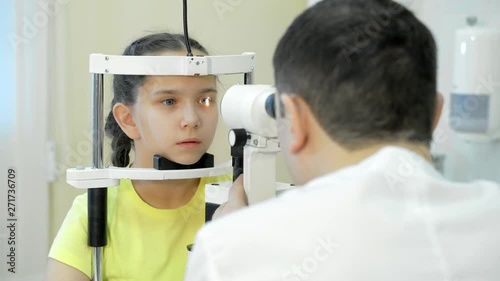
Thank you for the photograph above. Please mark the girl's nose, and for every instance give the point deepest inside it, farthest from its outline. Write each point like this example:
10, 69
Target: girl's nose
190, 118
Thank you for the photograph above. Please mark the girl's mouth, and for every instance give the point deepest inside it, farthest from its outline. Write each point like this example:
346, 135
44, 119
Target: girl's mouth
189, 143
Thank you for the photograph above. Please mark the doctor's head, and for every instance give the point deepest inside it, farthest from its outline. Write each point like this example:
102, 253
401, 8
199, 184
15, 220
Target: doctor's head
173, 116
353, 75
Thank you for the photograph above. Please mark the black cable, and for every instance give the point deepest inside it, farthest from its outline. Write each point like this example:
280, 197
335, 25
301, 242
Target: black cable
186, 36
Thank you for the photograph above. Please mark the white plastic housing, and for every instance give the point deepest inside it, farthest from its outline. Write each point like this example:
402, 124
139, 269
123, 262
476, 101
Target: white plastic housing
172, 65
108, 177
219, 193
243, 107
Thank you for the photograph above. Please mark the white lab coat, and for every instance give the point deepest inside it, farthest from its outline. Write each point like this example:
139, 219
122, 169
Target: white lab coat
390, 217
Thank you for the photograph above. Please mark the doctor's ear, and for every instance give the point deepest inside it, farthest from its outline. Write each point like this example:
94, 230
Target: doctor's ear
295, 110
123, 116
438, 109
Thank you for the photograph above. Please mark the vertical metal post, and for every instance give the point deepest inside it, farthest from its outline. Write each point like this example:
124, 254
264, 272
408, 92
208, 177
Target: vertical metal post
97, 120
97, 197
248, 77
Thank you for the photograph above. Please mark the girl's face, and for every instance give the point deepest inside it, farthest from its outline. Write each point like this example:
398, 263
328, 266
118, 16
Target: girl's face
176, 117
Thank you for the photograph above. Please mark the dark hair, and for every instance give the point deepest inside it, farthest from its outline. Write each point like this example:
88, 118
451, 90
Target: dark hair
366, 68
126, 87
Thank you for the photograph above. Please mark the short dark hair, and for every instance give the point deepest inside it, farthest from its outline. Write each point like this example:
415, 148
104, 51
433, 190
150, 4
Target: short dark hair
366, 68
126, 87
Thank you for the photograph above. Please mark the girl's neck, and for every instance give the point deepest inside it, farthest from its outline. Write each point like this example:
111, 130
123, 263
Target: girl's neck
166, 194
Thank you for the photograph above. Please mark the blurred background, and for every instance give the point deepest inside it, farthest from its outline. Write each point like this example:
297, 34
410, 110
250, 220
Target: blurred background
45, 116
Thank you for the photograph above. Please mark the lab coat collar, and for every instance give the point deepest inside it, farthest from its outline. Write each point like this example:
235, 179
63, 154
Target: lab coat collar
398, 159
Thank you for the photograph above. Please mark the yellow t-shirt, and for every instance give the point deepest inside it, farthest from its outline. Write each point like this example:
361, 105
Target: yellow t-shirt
144, 243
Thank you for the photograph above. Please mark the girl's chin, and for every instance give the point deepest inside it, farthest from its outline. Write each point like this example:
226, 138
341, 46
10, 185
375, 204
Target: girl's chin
187, 160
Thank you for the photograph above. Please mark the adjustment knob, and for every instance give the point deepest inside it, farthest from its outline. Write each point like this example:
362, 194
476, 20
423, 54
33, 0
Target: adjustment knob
238, 137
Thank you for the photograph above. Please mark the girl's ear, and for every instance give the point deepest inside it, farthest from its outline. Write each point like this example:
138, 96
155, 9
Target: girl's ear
123, 116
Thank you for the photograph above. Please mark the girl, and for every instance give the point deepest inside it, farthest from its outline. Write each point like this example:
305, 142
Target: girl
150, 223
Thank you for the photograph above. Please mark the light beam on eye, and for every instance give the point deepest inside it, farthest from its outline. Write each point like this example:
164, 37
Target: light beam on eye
206, 102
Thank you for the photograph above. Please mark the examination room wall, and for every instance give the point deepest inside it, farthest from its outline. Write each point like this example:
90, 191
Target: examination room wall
84, 27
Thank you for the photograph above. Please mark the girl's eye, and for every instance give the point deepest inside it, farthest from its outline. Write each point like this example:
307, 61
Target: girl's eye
169, 102
206, 101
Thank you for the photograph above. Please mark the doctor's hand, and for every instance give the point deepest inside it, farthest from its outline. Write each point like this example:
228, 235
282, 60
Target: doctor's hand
236, 199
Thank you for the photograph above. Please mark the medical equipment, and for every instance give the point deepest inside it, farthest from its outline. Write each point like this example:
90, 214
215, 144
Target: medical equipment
98, 177
243, 108
255, 149
475, 97
249, 111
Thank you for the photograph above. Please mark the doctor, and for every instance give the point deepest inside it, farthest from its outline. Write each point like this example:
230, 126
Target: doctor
357, 83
